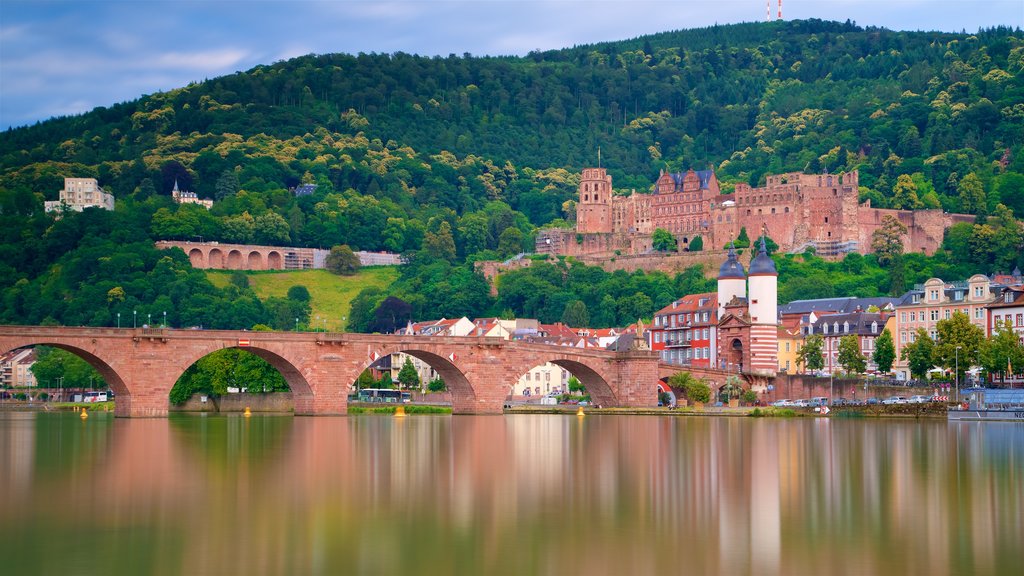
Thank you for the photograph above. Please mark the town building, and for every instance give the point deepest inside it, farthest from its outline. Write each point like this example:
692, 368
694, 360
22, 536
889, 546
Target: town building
935, 300
16, 368
79, 194
686, 331
865, 326
798, 211
186, 197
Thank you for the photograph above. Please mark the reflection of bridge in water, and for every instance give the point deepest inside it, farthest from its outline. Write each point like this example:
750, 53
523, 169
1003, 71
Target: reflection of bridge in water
141, 365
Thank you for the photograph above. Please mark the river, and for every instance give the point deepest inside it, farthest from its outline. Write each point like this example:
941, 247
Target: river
516, 494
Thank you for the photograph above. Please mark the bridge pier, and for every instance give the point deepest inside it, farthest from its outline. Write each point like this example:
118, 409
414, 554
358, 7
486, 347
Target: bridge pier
636, 373
142, 405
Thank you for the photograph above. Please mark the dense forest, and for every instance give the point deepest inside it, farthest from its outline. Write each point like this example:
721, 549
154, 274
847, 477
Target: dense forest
461, 158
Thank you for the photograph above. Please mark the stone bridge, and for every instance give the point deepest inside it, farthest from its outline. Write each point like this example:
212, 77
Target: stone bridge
141, 365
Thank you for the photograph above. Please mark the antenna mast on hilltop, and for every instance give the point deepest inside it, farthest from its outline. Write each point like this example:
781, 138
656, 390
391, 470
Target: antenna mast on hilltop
768, 10
780, 9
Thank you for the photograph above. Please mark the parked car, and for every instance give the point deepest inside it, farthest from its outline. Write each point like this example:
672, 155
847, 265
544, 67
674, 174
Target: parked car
817, 401
802, 403
919, 399
782, 403
872, 401
843, 402
894, 400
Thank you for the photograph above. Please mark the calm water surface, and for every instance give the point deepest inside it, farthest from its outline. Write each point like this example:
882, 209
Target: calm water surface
516, 494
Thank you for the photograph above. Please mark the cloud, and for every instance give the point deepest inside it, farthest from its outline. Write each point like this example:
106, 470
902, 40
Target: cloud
200, 62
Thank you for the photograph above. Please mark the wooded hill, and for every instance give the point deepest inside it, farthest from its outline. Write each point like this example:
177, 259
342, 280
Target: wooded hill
414, 153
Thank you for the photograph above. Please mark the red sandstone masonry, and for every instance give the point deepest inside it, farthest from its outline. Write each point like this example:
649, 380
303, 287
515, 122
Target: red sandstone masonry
142, 365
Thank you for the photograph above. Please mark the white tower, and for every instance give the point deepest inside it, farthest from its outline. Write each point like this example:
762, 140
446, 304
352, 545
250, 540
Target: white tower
764, 288
732, 281
764, 313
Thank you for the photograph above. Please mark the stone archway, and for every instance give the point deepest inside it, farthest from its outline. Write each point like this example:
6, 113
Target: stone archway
196, 258
215, 259
254, 261
600, 391
113, 379
462, 392
275, 261
235, 261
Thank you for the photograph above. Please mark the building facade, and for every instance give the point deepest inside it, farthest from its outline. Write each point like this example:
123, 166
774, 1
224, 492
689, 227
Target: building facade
865, 326
935, 300
16, 368
186, 197
79, 194
748, 325
686, 331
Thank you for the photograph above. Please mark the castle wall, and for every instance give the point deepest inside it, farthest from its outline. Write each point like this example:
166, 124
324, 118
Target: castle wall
925, 228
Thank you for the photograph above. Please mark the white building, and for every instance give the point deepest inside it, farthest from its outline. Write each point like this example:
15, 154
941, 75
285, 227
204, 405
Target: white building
79, 194
16, 368
186, 197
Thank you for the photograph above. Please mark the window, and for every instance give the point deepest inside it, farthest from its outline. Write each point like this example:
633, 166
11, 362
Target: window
948, 313
979, 313
1020, 319
787, 347
705, 333
824, 328
933, 295
846, 327
935, 315
835, 327
1008, 297
979, 291
874, 327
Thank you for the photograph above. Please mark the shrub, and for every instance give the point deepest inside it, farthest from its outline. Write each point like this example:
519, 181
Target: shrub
749, 396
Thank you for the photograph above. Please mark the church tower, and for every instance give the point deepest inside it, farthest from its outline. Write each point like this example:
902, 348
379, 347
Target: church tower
764, 313
594, 211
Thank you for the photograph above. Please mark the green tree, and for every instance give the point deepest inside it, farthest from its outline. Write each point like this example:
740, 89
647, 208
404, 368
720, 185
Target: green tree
919, 354
575, 386
408, 378
1003, 352
663, 241
695, 389
299, 293
510, 242
850, 358
904, 194
959, 343
810, 354
696, 244
227, 184
972, 195
440, 245
887, 240
885, 352
437, 385
576, 314
342, 260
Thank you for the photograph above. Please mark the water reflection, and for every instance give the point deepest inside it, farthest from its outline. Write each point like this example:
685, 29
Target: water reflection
508, 495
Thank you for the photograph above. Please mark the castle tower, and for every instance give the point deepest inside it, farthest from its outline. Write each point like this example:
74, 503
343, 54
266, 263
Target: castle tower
764, 313
732, 281
594, 211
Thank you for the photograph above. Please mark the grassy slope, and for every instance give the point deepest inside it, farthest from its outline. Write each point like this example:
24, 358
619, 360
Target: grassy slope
331, 295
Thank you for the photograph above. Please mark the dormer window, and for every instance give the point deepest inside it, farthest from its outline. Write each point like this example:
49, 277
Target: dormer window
874, 327
824, 328
933, 295
979, 291
846, 327
915, 299
835, 327
1008, 297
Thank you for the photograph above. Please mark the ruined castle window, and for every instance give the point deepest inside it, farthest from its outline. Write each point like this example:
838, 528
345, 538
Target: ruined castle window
826, 219
758, 210
786, 209
748, 211
586, 197
773, 210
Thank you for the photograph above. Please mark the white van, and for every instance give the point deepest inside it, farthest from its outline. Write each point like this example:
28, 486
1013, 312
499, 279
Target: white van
549, 400
94, 397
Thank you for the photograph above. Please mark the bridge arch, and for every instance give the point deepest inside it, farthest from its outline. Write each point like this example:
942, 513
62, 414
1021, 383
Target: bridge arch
197, 258
255, 261
595, 375
275, 261
287, 367
235, 261
462, 391
122, 393
216, 258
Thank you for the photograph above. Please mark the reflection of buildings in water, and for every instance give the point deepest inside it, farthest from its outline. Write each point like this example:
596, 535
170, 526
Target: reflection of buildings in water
17, 453
535, 494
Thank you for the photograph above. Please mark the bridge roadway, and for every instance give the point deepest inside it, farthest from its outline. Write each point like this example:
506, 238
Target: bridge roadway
141, 365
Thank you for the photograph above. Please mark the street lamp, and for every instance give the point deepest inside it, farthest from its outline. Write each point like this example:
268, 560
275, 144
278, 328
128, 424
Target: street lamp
135, 318
296, 324
149, 321
118, 319
60, 383
165, 319
956, 360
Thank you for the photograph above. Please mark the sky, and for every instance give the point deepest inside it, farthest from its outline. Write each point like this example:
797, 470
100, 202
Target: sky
70, 56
